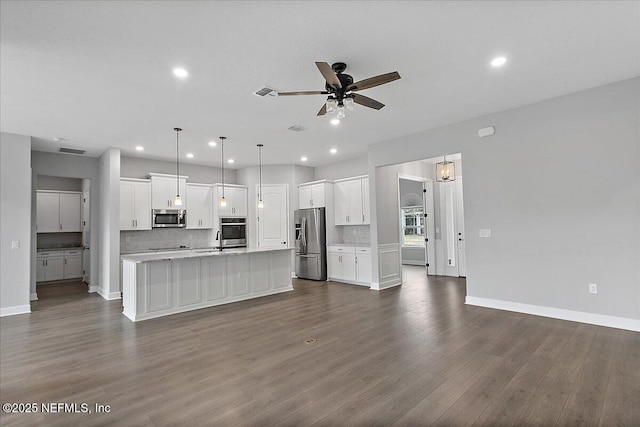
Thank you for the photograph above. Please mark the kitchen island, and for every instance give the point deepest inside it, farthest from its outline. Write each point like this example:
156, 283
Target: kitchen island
164, 283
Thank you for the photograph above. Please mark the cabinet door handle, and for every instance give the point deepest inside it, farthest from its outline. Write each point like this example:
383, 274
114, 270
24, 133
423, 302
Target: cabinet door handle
356, 260
46, 262
362, 217
65, 260
60, 226
136, 223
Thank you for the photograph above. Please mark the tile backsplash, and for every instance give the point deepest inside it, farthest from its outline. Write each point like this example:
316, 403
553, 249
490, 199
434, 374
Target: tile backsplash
137, 241
58, 240
358, 234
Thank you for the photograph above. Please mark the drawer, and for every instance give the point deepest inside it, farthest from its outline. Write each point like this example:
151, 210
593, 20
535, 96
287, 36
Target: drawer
49, 254
341, 249
73, 252
363, 250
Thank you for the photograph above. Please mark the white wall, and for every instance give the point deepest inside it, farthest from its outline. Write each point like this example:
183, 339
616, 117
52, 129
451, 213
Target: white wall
559, 186
109, 230
15, 223
70, 166
56, 183
136, 167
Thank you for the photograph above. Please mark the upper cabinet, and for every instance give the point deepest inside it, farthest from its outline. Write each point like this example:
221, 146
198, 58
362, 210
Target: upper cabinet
200, 215
58, 212
313, 194
135, 204
236, 196
164, 189
351, 199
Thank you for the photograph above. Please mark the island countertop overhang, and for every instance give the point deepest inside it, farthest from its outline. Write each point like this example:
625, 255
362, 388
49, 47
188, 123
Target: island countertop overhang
172, 255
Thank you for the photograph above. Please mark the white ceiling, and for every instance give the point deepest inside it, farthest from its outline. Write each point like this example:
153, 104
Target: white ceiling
99, 73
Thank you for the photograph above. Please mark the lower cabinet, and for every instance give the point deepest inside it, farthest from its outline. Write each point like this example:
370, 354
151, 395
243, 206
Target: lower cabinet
58, 265
349, 264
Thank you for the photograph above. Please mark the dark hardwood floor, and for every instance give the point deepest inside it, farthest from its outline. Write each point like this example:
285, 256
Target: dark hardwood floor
412, 355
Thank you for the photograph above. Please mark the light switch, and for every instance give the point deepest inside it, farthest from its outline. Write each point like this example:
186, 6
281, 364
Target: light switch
15, 244
484, 232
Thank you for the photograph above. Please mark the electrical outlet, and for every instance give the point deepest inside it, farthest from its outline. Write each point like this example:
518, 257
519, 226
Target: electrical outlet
593, 288
127, 239
15, 244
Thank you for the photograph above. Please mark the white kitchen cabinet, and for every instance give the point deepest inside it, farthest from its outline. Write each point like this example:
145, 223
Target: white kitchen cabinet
349, 264
366, 209
135, 204
50, 266
313, 194
164, 189
58, 212
351, 204
236, 196
72, 264
200, 214
363, 265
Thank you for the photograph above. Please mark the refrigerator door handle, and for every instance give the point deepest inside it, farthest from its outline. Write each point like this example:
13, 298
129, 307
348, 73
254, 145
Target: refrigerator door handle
303, 233
306, 256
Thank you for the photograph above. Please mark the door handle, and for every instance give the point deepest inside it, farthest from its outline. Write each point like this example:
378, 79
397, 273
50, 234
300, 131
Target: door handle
284, 243
306, 256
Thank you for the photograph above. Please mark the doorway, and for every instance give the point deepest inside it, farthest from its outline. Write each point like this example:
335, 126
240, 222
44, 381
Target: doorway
417, 229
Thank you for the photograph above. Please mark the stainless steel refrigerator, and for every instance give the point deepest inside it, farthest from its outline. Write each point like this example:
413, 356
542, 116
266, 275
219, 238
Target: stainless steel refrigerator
311, 244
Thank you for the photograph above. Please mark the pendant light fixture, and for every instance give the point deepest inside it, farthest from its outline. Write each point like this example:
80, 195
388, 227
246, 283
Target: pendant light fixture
260, 202
445, 171
223, 200
178, 200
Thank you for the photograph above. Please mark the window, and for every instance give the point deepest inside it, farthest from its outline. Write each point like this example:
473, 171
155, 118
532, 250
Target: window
412, 226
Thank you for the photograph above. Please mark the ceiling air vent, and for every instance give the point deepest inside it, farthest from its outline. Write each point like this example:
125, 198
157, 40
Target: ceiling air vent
71, 151
266, 92
296, 128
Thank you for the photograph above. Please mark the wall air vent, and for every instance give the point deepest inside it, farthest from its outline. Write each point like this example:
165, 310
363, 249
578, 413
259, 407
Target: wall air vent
266, 92
296, 128
71, 151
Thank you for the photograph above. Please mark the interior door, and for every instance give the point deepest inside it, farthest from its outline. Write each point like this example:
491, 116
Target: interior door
462, 262
86, 216
273, 218
430, 230
449, 228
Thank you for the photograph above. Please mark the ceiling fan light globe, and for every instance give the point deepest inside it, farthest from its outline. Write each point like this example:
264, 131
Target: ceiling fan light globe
349, 104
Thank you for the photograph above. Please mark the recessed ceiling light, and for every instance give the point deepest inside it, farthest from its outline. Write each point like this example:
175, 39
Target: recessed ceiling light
303, 158
212, 143
57, 139
230, 161
335, 122
139, 148
180, 72
498, 61
333, 150
190, 155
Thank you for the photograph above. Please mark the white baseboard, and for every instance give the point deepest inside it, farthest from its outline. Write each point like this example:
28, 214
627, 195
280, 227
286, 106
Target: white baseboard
16, 309
93, 289
558, 313
385, 285
109, 296
33, 296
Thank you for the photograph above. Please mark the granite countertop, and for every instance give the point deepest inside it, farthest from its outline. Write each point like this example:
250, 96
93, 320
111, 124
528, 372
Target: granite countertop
67, 248
192, 253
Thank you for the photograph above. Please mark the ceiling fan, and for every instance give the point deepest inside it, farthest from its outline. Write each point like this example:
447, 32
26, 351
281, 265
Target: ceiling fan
340, 87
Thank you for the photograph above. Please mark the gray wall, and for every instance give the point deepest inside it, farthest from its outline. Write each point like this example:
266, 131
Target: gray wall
135, 167
70, 166
559, 220
109, 230
15, 223
343, 169
57, 183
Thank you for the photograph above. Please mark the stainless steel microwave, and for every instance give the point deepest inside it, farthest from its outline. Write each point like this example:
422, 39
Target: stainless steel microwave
169, 218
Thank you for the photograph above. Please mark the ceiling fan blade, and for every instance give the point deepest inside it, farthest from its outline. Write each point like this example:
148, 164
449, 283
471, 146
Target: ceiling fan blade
304, 92
367, 102
322, 111
329, 75
374, 81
